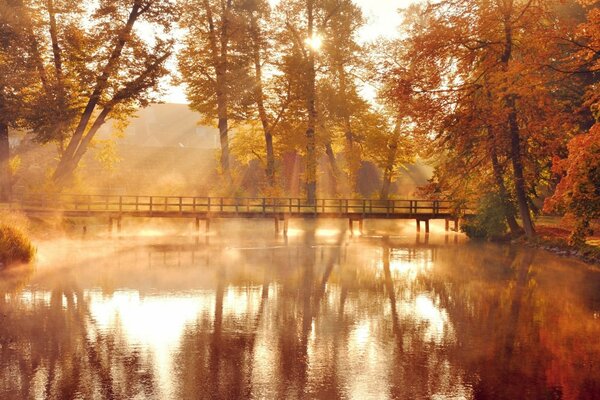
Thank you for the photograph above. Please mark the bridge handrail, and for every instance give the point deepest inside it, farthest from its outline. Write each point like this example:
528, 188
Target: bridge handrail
240, 205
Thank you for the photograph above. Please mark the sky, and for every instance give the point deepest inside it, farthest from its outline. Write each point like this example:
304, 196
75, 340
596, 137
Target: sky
382, 17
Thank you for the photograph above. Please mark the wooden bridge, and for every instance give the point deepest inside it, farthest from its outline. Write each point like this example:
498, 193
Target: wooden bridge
204, 209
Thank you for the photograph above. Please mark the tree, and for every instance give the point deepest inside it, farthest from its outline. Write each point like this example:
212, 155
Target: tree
338, 90
16, 76
578, 192
100, 63
214, 65
481, 89
301, 40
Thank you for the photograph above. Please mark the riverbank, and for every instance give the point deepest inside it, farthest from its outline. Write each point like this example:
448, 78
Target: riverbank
15, 246
553, 235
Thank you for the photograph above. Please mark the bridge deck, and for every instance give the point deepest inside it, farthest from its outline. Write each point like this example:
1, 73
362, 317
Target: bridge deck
222, 207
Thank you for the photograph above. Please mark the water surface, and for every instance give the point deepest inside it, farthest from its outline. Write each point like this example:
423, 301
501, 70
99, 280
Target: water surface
321, 315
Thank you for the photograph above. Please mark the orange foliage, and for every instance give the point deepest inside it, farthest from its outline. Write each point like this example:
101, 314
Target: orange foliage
579, 189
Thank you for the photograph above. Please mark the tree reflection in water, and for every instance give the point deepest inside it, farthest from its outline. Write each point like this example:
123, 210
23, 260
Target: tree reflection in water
313, 317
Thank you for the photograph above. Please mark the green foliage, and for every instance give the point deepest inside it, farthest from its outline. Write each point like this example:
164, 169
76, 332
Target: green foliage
15, 247
489, 221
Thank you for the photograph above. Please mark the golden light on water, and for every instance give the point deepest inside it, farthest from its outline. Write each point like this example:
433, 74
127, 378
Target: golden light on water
362, 321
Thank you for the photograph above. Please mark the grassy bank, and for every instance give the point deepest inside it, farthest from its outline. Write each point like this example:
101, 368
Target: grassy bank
15, 246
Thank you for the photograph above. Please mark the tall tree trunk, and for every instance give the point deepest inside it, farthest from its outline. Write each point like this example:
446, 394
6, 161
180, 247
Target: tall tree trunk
517, 163
220, 61
224, 138
65, 168
54, 38
335, 172
311, 157
259, 96
388, 171
352, 158
514, 133
5, 178
58, 69
509, 211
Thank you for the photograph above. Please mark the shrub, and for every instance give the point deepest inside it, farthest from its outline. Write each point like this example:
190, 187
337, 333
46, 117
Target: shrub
489, 221
14, 246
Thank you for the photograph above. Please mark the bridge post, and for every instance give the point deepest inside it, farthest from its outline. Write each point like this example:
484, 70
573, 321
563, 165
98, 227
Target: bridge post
285, 226
197, 226
207, 225
426, 226
418, 225
447, 224
456, 225
119, 225
276, 220
360, 226
351, 226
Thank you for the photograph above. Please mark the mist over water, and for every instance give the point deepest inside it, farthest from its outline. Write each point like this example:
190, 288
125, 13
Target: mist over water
159, 313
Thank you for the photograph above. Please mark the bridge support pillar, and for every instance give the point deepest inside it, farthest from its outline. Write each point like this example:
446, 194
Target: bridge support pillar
360, 226
456, 225
119, 225
285, 226
447, 224
276, 220
110, 225
419, 225
197, 226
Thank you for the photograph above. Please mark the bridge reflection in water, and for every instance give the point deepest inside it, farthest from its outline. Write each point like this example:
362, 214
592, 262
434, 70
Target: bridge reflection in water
313, 317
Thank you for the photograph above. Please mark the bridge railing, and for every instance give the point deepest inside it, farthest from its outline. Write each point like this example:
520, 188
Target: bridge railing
245, 205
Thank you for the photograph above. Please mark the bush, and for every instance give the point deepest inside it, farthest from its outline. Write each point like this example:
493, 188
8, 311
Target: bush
489, 221
14, 246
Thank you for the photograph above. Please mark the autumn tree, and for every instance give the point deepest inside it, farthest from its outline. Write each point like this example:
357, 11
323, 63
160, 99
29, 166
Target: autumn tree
214, 64
339, 92
100, 68
16, 70
578, 192
480, 85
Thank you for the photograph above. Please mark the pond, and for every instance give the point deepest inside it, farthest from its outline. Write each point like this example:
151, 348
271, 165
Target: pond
319, 315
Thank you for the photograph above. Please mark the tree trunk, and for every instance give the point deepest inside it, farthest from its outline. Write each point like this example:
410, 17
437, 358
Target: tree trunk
5, 178
514, 133
386, 184
220, 62
311, 159
335, 172
259, 98
509, 211
224, 140
517, 163
352, 158
65, 167
388, 172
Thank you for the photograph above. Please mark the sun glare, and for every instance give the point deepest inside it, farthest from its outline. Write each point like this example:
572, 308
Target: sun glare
315, 42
